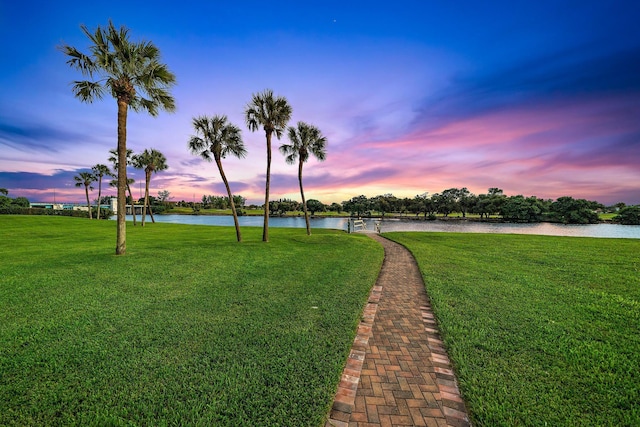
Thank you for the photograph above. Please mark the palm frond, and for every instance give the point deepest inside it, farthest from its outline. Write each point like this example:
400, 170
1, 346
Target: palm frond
87, 91
199, 147
131, 71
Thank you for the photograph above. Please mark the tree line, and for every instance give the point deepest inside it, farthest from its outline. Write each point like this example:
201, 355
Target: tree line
492, 205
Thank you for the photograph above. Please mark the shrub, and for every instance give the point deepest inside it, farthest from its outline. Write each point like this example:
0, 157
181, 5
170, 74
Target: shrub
629, 215
13, 210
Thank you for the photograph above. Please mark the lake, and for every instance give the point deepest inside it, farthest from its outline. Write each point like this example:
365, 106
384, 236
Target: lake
590, 230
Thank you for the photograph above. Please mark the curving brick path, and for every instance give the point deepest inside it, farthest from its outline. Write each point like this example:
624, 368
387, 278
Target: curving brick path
398, 372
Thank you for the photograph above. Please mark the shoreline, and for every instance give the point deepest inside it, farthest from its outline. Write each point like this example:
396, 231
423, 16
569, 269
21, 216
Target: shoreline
383, 217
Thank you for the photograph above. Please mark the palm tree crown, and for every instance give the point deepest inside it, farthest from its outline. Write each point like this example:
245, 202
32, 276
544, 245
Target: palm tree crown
218, 138
130, 72
85, 179
151, 160
305, 140
271, 113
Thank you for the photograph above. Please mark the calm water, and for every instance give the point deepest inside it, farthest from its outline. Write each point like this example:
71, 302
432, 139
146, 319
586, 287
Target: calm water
593, 230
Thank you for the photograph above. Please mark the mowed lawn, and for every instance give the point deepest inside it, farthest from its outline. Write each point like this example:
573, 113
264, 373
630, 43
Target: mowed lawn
543, 331
189, 328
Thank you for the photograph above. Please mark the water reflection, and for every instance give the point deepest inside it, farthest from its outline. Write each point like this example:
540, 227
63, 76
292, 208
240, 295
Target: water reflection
591, 230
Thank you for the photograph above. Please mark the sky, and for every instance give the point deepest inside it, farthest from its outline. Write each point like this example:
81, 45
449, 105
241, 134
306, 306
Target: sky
536, 98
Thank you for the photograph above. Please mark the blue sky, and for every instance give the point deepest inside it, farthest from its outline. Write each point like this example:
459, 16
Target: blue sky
536, 98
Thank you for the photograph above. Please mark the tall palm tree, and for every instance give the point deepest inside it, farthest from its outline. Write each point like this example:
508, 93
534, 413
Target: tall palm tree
99, 171
114, 160
218, 138
132, 73
273, 114
305, 140
86, 179
151, 161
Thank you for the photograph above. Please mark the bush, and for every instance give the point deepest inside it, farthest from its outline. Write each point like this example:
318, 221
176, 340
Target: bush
629, 215
13, 210
574, 211
105, 213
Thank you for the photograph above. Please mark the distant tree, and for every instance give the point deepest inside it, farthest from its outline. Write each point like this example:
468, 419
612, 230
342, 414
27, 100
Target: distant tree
4, 191
150, 160
99, 171
114, 160
521, 209
488, 204
619, 206
574, 211
273, 114
282, 206
315, 206
383, 203
305, 141
216, 138
628, 215
133, 74
239, 202
447, 201
22, 202
335, 207
422, 203
466, 200
5, 200
357, 206
163, 196
85, 179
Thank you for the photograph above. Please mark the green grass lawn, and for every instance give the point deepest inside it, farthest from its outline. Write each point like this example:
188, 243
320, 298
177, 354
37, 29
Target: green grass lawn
189, 328
541, 330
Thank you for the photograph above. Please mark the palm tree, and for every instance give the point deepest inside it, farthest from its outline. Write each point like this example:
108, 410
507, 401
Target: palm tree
151, 161
305, 140
85, 178
99, 171
218, 139
272, 114
114, 160
132, 73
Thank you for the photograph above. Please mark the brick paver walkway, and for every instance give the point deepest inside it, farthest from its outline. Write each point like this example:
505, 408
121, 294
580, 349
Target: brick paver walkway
398, 373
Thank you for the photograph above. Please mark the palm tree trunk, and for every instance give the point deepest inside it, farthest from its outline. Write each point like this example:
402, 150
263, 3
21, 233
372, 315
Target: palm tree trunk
265, 227
146, 191
233, 205
151, 214
121, 236
133, 206
145, 203
86, 191
304, 202
99, 196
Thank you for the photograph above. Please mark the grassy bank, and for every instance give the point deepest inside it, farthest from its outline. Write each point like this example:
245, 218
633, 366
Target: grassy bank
541, 330
189, 327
